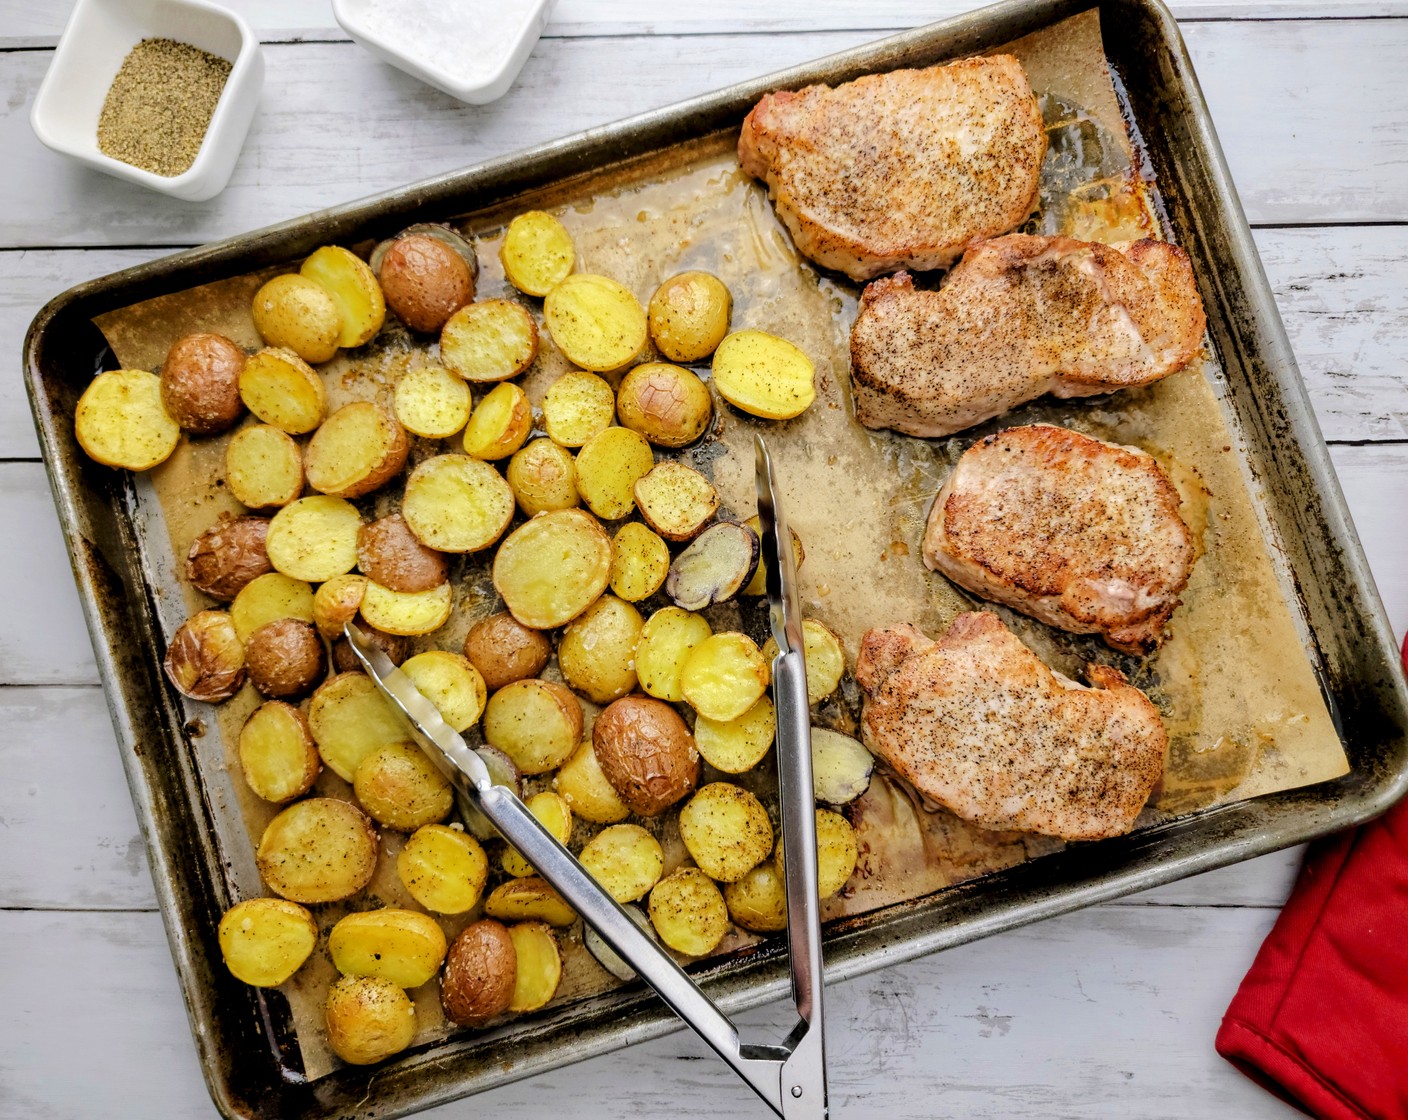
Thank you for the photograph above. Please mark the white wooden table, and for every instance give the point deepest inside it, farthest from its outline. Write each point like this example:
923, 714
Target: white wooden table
1107, 1013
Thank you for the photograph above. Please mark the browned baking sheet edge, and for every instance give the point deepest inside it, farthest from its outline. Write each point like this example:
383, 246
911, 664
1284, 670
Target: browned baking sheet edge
234, 1028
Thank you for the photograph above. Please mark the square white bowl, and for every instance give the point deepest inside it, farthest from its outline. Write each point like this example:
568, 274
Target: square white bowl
352, 17
99, 36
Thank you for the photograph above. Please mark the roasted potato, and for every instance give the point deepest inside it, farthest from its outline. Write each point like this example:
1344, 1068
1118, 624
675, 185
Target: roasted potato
606, 956
554, 814
480, 971
298, 314
758, 901
646, 752
368, 1019
537, 253
450, 682
502, 772
345, 659
456, 503
224, 558
359, 448
586, 789
726, 831
596, 323
504, 650
349, 719
758, 584
121, 422
355, 292
268, 598
264, 941
539, 966
391, 555
764, 375
608, 467
597, 653
576, 407
318, 850
666, 404
277, 753
551, 569
640, 561
739, 744
537, 723
400, 788
688, 912
675, 500
283, 390
724, 676
689, 316
836, 852
425, 281
205, 659
336, 603
715, 567
529, 899
407, 612
200, 383
626, 860
492, 340
263, 467
432, 402
285, 658
443, 868
826, 660
841, 767
501, 423
543, 476
314, 538
403, 946
665, 643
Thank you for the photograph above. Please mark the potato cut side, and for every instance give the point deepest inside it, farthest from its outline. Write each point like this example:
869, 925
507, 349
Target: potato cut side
688, 912
349, 719
263, 467
443, 868
667, 404
640, 561
675, 500
764, 375
432, 402
597, 323
368, 1019
576, 407
714, 568
121, 422
491, 340
295, 313
502, 772
456, 503
737, 745
283, 390
625, 859
597, 653
403, 946
407, 613
841, 767
361, 307
826, 659
836, 852
359, 447
758, 585
318, 850
451, 683
689, 315
758, 901
537, 253
553, 568
726, 831
537, 723
539, 968
554, 814
666, 641
314, 538
608, 467
724, 676
277, 753
264, 941
269, 598
401, 788
587, 790
500, 425
543, 476
529, 899
336, 603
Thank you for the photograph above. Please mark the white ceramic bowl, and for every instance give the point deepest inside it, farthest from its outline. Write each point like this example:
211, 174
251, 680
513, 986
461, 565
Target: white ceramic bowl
493, 75
99, 35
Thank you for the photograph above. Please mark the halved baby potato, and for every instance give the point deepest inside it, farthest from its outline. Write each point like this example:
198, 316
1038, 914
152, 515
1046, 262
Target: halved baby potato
646, 752
336, 603
403, 946
427, 274
551, 569
758, 901
836, 852
200, 382
724, 676
399, 787
407, 613
444, 868
268, 598
608, 467
537, 723
675, 500
625, 859
597, 323
543, 477
576, 407
726, 831
826, 659
318, 850
640, 561
665, 643
501, 423
314, 538
841, 767
282, 389
667, 404
764, 375
714, 568
368, 1019
277, 753
432, 402
205, 659
349, 719
456, 503
554, 814
121, 422
491, 340
738, 744
264, 941
358, 448
263, 467
390, 554
587, 790
529, 899
297, 313
537, 253
689, 315
597, 653
504, 650
480, 970
451, 683
354, 289
688, 912
539, 966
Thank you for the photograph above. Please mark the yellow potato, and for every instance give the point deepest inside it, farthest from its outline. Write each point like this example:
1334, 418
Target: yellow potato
298, 314
456, 503
407, 612
608, 467
764, 375
640, 561
726, 831
739, 744
368, 1019
588, 791
539, 966
543, 477
689, 315
554, 814
724, 676
121, 422
665, 643
318, 850
553, 568
529, 899
314, 538
400, 788
625, 859
361, 308
349, 719
432, 402
264, 941
268, 598
443, 868
358, 448
836, 852
263, 467
336, 603
491, 340
500, 424
277, 752
537, 253
450, 682
758, 901
597, 653
675, 500
758, 584
826, 660
576, 407
596, 323
403, 946
667, 404
284, 391
537, 723
688, 912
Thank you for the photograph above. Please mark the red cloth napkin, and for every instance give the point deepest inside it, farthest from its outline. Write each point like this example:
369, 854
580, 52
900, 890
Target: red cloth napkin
1322, 1017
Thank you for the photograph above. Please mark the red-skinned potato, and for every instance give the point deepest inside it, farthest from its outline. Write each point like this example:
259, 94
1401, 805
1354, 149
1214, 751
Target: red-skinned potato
646, 752
227, 556
200, 383
424, 281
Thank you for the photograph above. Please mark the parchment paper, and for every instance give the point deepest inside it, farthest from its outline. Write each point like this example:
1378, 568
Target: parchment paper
1234, 681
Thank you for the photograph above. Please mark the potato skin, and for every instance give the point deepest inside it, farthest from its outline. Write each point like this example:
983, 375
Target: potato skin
205, 659
666, 404
368, 1019
480, 968
646, 752
227, 556
285, 658
396, 648
424, 281
689, 315
200, 383
391, 555
504, 650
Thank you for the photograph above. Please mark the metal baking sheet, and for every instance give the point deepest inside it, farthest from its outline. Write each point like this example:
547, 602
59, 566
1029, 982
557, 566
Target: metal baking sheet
181, 812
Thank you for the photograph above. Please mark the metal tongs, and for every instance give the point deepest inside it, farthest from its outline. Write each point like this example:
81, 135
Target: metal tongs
791, 1076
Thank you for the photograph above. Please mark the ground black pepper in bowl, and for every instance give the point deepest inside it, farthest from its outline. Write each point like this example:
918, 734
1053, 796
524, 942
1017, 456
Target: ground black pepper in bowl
160, 104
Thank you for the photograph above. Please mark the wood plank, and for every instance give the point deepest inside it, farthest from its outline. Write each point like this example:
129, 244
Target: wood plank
974, 1024
1271, 105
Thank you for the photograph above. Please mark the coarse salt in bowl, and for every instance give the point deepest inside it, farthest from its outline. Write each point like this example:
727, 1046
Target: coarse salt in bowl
470, 49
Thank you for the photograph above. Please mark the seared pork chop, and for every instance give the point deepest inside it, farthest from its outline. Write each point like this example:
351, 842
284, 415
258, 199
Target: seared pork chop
901, 169
975, 722
1018, 317
1079, 533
